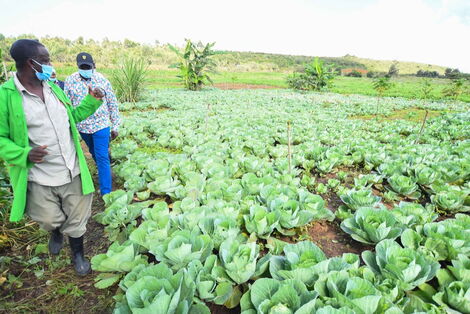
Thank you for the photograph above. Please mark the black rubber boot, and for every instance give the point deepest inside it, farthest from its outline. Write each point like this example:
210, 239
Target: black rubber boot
56, 242
81, 264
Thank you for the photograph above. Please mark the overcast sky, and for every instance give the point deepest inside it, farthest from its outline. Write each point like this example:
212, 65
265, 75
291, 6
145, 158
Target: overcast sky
428, 31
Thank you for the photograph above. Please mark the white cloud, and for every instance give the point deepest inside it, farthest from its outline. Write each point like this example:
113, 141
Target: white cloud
409, 30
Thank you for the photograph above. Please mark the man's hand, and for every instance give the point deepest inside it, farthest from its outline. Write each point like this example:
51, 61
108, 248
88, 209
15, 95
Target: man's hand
96, 92
37, 154
114, 134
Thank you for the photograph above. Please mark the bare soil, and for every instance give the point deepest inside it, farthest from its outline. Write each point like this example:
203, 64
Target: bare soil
220, 309
59, 289
333, 241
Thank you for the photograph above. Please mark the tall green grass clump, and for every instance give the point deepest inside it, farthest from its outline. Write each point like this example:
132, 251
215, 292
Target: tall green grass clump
130, 78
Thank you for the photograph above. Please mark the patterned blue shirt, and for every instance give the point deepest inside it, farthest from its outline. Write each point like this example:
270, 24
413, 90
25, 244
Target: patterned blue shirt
107, 114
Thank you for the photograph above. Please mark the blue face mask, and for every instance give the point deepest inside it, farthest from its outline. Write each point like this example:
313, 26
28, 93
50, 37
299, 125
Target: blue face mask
46, 71
86, 73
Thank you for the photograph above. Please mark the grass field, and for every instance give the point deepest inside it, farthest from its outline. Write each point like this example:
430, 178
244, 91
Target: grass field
405, 86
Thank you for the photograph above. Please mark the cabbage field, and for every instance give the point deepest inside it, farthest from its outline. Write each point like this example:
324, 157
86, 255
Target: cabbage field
222, 191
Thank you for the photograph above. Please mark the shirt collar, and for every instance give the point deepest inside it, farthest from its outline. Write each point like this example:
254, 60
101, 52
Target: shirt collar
18, 84
22, 89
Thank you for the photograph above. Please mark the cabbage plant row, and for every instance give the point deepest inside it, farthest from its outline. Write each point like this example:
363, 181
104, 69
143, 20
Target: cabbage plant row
213, 186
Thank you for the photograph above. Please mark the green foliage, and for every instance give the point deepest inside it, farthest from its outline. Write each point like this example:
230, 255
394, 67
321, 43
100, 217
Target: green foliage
355, 199
155, 289
443, 240
271, 296
372, 225
404, 185
239, 259
426, 73
424, 175
354, 73
316, 77
224, 175
453, 292
182, 247
118, 258
451, 201
306, 262
343, 290
261, 221
3, 68
409, 267
382, 84
195, 63
425, 89
452, 73
219, 228
455, 89
412, 214
213, 283
130, 78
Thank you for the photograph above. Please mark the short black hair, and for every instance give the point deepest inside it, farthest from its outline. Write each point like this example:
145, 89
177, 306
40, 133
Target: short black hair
24, 49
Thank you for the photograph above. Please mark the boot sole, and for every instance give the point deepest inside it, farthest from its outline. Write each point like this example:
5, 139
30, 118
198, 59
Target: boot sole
82, 274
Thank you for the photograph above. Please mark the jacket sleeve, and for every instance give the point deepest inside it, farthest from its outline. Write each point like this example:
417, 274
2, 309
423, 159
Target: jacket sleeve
11, 152
87, 107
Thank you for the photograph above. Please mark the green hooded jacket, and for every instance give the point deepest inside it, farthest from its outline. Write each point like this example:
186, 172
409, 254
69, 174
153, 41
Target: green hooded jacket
14, 141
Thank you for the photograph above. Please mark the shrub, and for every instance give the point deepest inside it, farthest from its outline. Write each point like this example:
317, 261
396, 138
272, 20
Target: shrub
195, 63
354, 73
381, 84
455, 89
393, 70
316, 77
424, 73
452, 73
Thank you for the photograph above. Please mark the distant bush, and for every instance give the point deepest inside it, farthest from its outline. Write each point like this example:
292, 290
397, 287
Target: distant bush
372, 74
316, 77
424, 73
393, 70
354, 73
452, 73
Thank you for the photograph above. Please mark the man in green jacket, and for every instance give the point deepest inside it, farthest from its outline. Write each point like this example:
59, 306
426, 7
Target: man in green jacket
40, 143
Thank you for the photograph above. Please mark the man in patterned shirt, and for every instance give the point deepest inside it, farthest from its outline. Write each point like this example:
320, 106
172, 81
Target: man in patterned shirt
99, 128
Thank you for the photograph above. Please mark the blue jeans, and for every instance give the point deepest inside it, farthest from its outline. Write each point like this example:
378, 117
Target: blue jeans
98, 145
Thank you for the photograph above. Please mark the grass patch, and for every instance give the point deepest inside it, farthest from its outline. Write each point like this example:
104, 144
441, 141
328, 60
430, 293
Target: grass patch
412, 114
404, 86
